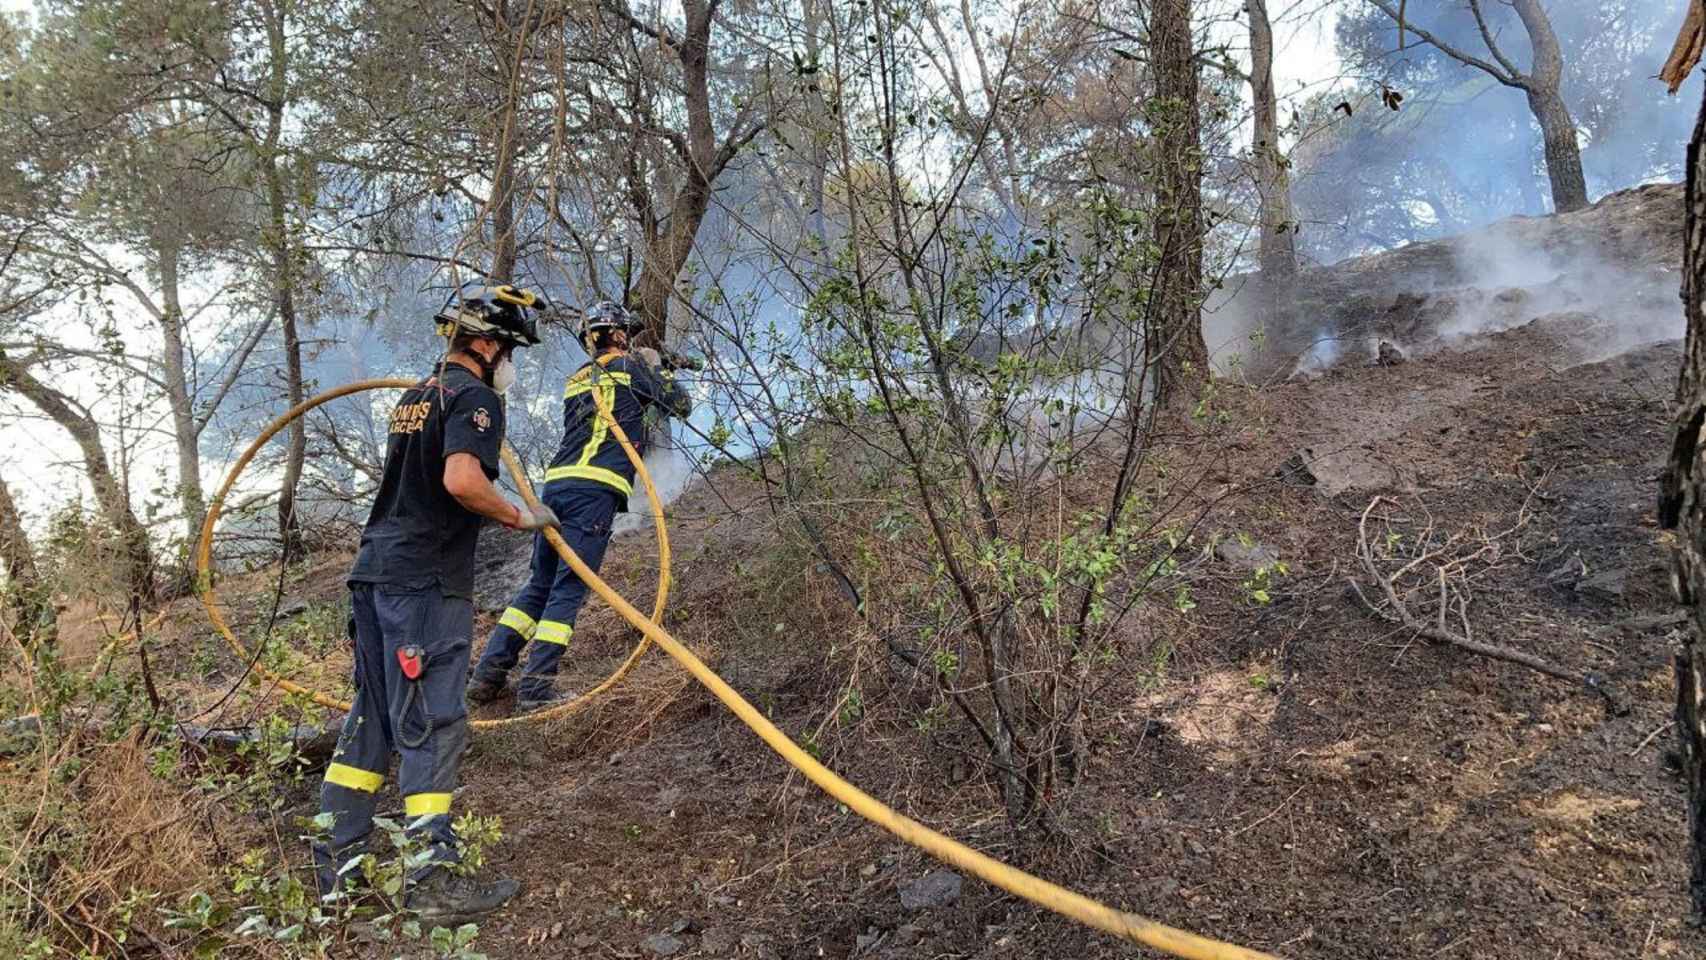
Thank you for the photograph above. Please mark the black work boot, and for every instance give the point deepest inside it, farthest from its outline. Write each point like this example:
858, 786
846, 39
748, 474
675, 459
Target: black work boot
445, 896
483, 690
528, 700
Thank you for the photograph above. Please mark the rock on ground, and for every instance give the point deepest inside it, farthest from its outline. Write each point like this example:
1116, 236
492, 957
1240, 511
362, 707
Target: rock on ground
664, 944
937, 888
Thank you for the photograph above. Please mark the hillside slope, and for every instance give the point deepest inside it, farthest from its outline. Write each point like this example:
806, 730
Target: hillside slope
1617, 258
1299, 776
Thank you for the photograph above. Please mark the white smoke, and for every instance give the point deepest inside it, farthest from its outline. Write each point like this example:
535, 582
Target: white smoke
1326, 351
672, 469
1602, 298
1598, 283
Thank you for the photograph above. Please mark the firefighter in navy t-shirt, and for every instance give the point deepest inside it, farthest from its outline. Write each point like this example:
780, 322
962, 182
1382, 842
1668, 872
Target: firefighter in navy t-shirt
588, 483
411, 597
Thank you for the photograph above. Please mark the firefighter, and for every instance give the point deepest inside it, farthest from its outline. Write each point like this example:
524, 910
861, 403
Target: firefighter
411, 598
588, 483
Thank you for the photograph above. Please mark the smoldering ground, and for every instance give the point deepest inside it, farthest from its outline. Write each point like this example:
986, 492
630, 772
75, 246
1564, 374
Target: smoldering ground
1609, 273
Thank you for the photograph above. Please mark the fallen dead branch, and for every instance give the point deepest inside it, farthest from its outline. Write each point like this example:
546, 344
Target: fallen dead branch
1685, 53
1661, 728
1441, 569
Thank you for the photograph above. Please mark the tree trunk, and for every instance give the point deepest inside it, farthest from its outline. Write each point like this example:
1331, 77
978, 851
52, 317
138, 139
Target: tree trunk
1543, 85
1175, 342
1276, 251
135, 553
1682, 504
817, 144
284, 278
501, 202
26, 593
1563, 155
296, 453
666, 256
184, 427
667, 252
503, 225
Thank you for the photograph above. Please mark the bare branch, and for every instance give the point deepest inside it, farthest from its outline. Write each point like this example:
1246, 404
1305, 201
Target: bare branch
1448, 567
733, 146
1685, 53
45, 350
237, 363
1491, 41
406, 254
1508, 79
659, 33
87, 259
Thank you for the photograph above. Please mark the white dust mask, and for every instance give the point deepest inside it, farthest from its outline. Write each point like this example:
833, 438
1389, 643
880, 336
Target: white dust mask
503, 375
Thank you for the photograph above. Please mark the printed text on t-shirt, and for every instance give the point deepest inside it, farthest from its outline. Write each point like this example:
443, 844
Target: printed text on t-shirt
410, 417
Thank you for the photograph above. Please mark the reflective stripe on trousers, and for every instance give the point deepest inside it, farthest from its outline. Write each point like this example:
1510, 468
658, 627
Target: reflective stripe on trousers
553, 595
384, 719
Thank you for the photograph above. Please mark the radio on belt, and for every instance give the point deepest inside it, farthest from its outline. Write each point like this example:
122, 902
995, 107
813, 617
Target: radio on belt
413, 661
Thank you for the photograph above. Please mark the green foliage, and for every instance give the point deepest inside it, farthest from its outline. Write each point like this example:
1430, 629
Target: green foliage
852, 706
270, 910
953, 366
1259, 587
307, 638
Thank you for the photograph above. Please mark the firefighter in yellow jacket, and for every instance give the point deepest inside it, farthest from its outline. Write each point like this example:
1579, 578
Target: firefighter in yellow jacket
588, 483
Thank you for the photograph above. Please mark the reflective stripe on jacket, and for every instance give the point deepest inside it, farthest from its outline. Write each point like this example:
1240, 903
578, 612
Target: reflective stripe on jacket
626, 386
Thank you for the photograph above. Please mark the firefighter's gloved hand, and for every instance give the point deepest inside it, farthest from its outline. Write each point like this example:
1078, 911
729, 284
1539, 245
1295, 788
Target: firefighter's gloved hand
536, 518
651, 357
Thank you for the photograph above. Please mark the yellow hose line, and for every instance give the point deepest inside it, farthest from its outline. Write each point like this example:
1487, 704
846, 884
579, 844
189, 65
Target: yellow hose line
1128, 926
210, 599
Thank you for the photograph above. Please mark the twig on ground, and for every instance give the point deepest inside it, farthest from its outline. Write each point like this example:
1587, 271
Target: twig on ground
1451, 574
1265, 817
1652, 736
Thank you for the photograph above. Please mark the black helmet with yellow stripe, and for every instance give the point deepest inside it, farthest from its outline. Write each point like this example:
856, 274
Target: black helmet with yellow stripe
604, 315
499, 312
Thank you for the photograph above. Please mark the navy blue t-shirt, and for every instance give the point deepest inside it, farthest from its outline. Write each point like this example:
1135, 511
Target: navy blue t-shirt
418, 535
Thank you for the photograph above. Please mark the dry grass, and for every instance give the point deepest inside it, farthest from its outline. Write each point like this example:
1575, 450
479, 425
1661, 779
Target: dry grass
80, 843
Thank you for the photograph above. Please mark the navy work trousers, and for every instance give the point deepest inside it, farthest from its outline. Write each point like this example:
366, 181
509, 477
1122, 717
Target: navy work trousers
424, 720
545, 609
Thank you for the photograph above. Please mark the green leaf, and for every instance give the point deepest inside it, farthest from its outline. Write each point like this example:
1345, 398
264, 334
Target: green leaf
442, 940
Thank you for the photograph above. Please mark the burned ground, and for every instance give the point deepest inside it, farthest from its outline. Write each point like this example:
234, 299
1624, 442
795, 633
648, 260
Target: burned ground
1298, 776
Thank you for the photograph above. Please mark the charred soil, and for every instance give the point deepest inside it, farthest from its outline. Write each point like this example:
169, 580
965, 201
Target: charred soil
1297, 775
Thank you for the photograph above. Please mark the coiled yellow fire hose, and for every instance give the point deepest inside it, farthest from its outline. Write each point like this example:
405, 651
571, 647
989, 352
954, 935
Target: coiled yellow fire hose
210, 599
1127, 926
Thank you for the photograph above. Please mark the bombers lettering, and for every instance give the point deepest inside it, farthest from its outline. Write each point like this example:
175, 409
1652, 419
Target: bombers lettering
410, 417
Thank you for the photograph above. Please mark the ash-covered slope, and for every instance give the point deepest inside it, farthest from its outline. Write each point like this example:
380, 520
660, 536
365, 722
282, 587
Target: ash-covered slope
1611, 269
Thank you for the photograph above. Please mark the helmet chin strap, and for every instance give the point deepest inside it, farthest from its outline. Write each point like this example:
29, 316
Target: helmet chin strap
487, 367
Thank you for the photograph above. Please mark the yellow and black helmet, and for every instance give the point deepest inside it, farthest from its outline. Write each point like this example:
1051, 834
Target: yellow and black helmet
499, 312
